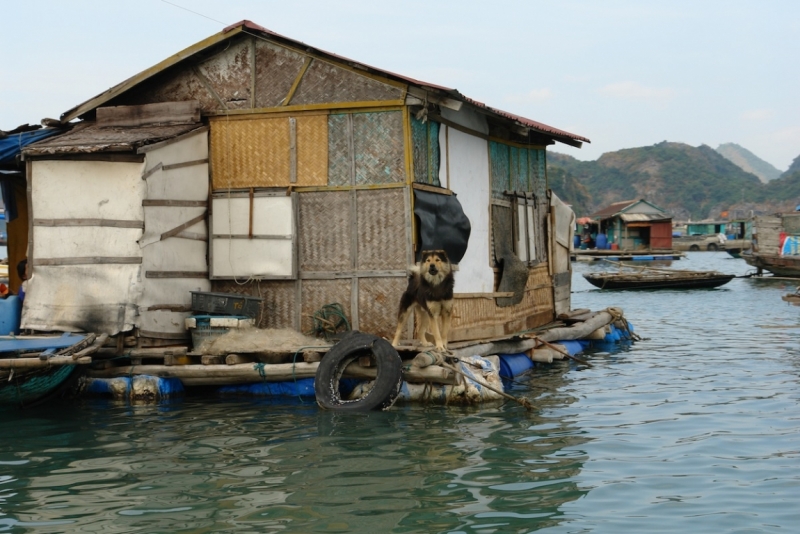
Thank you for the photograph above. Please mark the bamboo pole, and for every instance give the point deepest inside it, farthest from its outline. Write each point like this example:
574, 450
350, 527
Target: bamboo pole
36, 363
222, 374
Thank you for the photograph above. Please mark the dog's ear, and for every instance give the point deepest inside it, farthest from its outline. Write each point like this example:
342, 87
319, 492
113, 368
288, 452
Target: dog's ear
443, 255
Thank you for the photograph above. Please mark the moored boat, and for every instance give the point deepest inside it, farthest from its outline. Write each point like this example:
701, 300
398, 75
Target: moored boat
658, 279
777, 246
34, 368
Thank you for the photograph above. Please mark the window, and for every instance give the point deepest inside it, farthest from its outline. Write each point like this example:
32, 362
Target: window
253, 235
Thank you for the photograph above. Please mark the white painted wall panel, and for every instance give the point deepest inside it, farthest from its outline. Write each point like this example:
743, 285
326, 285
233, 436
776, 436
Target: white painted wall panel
192, 147
467, 118
87, 190
242, 258
184, 183
271, 216
175, 254
469, 179
85, 241
162, 219
91, 298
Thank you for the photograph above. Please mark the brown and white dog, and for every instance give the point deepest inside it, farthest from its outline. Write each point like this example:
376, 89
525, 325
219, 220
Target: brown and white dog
430, 294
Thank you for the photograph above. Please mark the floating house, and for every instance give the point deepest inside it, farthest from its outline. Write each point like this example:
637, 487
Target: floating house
635, 225
776, 245
254, 164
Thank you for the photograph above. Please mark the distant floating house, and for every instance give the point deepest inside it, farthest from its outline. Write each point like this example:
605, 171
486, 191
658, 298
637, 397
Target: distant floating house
635, 225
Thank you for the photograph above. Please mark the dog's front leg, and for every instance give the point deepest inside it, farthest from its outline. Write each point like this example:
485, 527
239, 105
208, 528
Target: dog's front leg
401, 323
447, 310
436, 312
425, 319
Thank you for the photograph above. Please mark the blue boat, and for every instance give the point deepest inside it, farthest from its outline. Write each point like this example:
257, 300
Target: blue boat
35, 369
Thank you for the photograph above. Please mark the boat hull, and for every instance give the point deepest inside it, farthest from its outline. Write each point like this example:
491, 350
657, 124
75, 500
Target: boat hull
651, 283
31, 387
777, 265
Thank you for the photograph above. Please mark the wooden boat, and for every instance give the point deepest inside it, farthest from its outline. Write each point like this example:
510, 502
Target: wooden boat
34, 368
778, 265
792, 298
658, 279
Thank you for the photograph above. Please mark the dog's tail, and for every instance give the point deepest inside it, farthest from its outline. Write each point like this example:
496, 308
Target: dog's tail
414, 270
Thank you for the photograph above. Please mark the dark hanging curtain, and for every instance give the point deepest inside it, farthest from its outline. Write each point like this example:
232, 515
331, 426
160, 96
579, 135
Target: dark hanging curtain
442, 224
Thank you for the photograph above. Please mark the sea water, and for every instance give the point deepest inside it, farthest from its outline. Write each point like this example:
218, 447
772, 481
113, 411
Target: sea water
695, 428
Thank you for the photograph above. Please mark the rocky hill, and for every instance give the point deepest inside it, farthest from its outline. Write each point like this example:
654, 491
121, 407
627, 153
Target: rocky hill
689, 182
748, 161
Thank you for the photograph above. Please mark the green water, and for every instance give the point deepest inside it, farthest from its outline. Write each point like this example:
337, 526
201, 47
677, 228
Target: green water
694, 429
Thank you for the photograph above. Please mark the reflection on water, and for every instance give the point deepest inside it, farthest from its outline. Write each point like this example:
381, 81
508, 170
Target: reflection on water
694, 428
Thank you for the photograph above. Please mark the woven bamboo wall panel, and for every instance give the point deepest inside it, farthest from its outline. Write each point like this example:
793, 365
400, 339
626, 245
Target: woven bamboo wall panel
279, 304
326, 83
482, 315
324, 231
520, 170
250, 153
499, 157
182, 84
536, 164
340, 157
276, 70
419, 141
381, 229
228, 73
378, 300
541, 211
312, 150
317, 293
378, 147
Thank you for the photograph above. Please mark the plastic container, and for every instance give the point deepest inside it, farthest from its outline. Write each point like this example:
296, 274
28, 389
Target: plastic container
601, 242
225, 303
614, 246
512, 365
206, 327
10, 315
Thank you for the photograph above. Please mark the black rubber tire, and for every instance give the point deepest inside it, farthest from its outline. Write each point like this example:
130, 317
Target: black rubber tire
694, 248
713, 247
387, 384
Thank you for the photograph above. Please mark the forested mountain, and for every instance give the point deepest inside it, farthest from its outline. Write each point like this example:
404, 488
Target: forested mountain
689, 182
748, 161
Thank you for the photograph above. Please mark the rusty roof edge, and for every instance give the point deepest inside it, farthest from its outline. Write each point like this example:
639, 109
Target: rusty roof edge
136, 79
243, 25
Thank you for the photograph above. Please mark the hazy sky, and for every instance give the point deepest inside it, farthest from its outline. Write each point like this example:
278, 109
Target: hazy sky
623, 73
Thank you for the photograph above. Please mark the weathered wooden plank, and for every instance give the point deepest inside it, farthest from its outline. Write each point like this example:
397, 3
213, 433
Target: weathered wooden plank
155, 202
185, 112
91, 260
496, 294
108, 223
178, 229
176, 274
181, 165
431, 189
152, 170
245, 236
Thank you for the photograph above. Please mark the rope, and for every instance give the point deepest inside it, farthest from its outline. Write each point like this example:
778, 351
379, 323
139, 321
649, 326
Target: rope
565, 353
616, 313
329, 321
523, 401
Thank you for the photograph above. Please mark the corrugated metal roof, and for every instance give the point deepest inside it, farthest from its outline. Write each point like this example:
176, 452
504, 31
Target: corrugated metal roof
644, 217
88, 137
613, 209
246, 26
